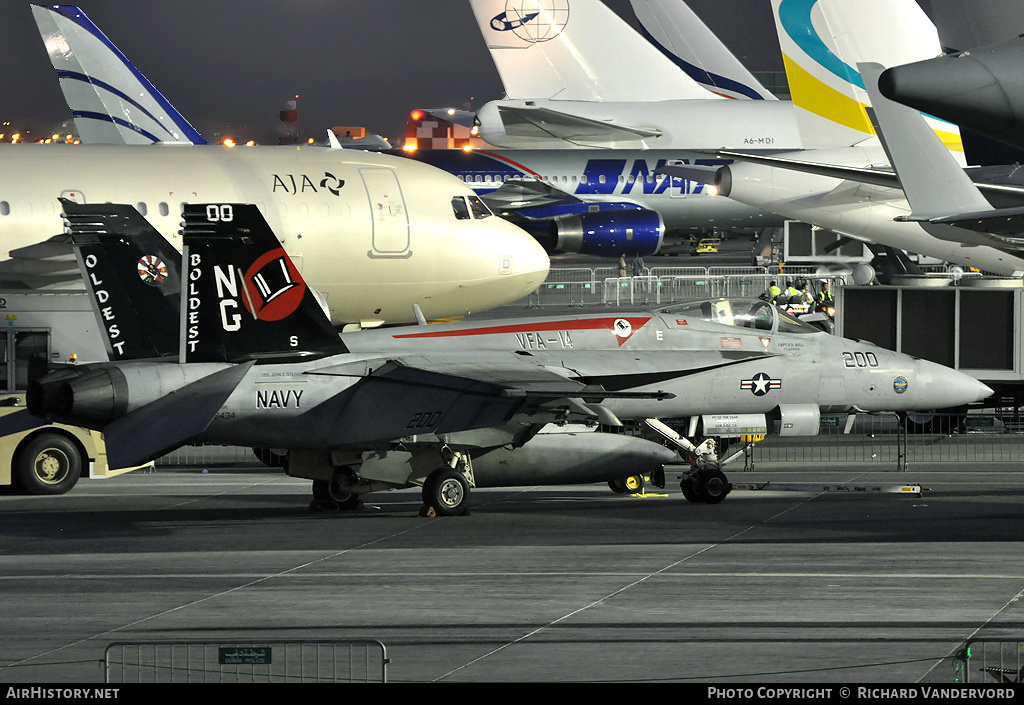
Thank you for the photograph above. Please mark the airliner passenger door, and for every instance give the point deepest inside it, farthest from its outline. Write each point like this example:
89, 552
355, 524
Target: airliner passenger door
390, 217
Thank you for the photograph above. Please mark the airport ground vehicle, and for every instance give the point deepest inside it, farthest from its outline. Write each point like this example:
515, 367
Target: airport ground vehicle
41, 328
708, 245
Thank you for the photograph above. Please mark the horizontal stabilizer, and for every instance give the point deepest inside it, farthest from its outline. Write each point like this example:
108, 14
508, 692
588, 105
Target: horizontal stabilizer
543, 123
1002, 221
170, 422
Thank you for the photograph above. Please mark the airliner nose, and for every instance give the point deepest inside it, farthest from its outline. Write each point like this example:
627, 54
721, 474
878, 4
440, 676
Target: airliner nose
940, 387
496, 263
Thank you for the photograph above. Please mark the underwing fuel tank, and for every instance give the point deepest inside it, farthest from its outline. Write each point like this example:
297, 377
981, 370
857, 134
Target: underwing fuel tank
570, 457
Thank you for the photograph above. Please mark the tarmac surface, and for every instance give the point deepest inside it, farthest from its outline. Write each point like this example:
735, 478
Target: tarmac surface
561, 584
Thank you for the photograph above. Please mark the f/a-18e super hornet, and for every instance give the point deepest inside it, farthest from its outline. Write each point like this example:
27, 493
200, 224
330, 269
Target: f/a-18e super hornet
259, 365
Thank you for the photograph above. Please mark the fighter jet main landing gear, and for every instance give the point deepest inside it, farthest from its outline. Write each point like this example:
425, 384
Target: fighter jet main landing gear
704, 482
708, 485
446, 490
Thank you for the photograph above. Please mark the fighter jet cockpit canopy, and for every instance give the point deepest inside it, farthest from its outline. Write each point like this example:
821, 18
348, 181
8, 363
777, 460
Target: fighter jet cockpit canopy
740, 313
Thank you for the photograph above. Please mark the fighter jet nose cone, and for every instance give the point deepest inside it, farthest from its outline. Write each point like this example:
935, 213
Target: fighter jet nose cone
984, 392
944, 387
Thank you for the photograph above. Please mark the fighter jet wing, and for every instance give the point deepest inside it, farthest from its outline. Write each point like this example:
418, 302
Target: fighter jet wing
544, 123
461, 393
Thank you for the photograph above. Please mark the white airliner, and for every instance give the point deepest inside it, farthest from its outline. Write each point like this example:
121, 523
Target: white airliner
822, 42
375, 234
576, 74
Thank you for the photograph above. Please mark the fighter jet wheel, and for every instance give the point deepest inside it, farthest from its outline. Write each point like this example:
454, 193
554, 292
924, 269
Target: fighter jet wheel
447, 491
689, 488
634, 484
48, 464
713, 485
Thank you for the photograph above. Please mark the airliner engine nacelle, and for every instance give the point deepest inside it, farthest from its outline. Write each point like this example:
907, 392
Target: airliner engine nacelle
609, 233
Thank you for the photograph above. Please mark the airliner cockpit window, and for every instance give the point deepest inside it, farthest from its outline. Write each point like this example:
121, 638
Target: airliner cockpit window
479, 209
460, 208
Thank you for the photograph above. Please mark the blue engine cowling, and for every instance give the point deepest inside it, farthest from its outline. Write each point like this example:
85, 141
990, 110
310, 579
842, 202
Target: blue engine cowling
609, 233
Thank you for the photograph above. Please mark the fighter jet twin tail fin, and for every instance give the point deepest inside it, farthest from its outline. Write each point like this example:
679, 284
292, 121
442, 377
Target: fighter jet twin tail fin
245, 298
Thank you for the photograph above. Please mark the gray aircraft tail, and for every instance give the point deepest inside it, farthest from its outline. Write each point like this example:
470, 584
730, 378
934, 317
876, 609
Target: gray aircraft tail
245, 298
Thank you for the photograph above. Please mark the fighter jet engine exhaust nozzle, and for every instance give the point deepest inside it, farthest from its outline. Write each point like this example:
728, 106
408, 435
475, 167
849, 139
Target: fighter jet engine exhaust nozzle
609, 233
83, 397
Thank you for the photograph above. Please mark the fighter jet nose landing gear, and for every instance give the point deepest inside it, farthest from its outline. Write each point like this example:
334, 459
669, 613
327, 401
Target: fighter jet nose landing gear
704, 481
708, 485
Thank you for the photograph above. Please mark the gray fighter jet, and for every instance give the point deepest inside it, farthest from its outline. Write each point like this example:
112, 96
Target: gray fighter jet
260, 365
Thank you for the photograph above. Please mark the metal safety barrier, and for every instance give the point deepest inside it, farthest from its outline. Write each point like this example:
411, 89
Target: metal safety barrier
596, 287
246, 662
989, 661
894, 442
210, 456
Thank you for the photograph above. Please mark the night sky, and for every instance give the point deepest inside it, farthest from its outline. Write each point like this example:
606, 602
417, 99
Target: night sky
230, 65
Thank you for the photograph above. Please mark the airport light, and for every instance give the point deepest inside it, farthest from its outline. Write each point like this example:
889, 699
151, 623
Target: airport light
416, 115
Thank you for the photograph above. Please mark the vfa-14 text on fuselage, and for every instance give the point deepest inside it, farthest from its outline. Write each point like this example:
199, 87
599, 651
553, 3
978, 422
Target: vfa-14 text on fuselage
374, 234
